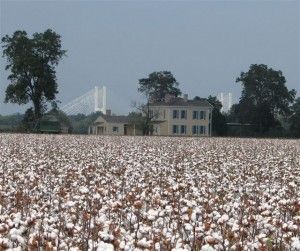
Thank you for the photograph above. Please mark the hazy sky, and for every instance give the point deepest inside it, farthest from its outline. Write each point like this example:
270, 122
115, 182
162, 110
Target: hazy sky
205, 44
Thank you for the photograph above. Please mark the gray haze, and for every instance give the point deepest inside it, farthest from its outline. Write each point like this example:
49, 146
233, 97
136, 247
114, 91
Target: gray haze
204, 44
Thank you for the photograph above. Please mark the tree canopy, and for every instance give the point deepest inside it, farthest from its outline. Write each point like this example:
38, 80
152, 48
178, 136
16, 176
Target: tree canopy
264, 96
294, 118
32, 62
158, 85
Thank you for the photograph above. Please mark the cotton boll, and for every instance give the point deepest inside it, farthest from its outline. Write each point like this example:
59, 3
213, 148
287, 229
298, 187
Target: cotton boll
207, 247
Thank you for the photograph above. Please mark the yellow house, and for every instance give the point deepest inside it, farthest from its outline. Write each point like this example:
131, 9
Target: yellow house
177, 116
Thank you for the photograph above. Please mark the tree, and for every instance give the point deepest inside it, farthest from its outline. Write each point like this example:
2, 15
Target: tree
264, 97
155, 88
294, 119
32, 63
138, 121
143, 117
80, 122
158, 85
219, 127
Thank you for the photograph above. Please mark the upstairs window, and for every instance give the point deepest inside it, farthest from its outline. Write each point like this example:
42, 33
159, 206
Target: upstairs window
195, 114
183, 114
175, 114
202, 115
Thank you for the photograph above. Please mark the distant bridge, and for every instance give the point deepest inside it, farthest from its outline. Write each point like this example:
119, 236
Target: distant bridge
92, 101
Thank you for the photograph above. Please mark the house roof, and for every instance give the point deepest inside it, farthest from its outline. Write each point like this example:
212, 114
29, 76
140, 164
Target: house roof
49, 118
114, 119
181, 102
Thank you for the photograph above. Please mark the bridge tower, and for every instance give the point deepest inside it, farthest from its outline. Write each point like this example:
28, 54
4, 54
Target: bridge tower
92, 101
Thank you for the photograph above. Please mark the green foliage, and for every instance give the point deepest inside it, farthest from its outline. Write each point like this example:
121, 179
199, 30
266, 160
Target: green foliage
219, 127
80, 122
141, 122
137, 119
264, 97
61, 117
232, 115
28, 122
31, 62
158, 85
294, 119
11, 123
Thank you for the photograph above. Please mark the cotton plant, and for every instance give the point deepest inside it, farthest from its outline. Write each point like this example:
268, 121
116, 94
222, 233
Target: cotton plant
64, 192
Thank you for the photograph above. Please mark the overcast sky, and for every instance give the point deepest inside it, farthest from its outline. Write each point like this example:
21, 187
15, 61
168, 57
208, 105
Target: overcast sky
205, 44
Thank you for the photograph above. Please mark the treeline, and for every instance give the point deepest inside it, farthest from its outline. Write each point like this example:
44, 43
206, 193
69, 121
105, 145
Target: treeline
266, 107
78, 124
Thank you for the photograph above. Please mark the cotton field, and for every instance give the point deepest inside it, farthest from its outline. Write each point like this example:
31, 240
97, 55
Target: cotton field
148, 193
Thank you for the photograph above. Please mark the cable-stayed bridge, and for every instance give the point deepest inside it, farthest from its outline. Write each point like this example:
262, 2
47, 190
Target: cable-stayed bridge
92, 101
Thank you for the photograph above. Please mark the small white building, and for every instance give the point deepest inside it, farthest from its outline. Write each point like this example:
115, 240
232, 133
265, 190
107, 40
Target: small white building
113, 125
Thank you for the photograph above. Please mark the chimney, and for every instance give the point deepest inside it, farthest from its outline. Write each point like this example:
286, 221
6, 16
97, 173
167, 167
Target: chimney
108, 112
185, 97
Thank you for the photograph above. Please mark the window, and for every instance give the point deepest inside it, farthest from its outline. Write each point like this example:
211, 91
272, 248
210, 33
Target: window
202, 115
201, 129
198, 130
175, 129
183, 114
164, 113
195, 114
115, 129
194, 129
183, 129
175, 114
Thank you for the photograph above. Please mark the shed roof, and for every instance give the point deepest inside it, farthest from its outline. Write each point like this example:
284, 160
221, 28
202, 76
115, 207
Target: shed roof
49, 118
114, 119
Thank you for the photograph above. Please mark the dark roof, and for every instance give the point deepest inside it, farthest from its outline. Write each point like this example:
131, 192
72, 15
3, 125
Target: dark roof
238, 124
50, 118
182, 102
115, 119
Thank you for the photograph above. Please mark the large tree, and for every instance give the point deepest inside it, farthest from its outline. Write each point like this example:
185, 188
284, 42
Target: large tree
264, 96
158, 85
294, 119
31, 62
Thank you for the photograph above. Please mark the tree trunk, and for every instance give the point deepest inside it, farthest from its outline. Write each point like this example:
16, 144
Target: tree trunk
37, 112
